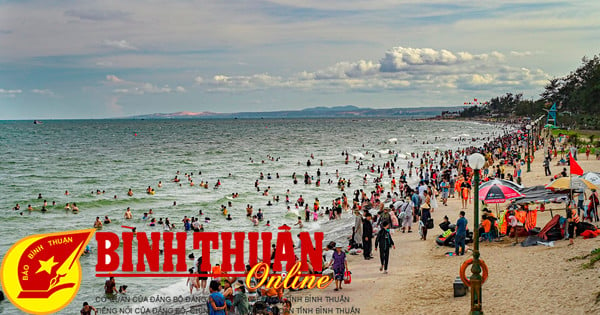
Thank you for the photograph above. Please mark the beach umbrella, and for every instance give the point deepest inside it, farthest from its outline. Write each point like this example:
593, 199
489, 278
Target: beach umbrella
566, 183
593, 177
501, 182
498, 193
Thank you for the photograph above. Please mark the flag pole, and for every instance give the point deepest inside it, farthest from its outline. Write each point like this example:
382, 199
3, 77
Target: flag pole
571, 159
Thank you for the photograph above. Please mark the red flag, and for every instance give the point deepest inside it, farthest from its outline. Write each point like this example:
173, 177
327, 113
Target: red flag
575, 168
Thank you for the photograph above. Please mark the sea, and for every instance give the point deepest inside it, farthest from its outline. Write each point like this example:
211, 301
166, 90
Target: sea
113, 156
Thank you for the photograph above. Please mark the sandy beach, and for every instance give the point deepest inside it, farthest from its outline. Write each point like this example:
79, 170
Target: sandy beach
522, 280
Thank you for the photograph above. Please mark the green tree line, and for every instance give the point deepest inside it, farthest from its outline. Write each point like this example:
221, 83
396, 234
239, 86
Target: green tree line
577, 96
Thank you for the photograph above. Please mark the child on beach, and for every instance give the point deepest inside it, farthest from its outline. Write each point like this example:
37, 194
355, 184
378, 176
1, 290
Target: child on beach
191, 281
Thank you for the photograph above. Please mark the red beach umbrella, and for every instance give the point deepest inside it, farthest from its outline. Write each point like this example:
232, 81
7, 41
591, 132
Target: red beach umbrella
497, 193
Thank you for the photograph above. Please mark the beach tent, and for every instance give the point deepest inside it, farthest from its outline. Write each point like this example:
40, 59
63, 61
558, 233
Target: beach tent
552, 231
539, 194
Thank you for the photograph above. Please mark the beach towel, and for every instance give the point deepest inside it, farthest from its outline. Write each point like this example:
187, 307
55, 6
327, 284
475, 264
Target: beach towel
590, 234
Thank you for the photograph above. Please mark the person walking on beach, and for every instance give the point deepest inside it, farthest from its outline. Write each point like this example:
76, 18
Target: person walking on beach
461, 234
547, 167
406, 209
416, 200
425, 215
445, 188
367, 233
340, 265
358, 229
593, 206
465, 192
384, 241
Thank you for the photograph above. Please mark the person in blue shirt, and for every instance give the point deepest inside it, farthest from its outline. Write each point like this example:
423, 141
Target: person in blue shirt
216, 300
461, 234
417, 203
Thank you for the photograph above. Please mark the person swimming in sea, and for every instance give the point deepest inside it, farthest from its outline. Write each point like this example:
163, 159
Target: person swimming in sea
128, 214
229, 217
17, 207
130, 192
268, 223
299, 223
97, 223
74, 208
106, 220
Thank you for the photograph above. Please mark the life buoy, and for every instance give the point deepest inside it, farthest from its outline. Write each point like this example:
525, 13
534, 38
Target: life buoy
463, 269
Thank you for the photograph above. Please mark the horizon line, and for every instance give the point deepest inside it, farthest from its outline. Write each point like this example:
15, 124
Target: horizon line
213, 114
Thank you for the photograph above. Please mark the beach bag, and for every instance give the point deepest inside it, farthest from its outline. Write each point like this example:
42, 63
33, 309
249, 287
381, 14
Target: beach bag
429, 224
347, 277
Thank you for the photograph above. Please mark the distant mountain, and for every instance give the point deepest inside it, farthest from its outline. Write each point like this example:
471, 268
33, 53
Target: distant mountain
348, 111
332, 109
184, 114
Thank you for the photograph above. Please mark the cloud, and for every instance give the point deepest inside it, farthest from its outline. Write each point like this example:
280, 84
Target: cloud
120, 44
45, 92
521, 53
98, 15
400, 68
10, 92
140, 88
401, 58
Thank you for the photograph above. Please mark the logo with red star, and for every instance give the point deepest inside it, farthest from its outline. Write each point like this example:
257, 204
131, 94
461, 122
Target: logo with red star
41, 273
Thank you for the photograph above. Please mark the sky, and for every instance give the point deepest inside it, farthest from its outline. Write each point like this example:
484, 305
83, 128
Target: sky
101, 59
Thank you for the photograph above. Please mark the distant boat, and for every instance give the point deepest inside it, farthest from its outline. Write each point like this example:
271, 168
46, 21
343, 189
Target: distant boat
37, 122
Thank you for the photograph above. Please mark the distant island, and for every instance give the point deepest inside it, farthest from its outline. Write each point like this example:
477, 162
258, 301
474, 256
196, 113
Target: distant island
347, 111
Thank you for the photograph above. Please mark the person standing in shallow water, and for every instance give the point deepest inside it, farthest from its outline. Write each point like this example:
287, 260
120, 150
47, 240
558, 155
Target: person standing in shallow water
384, 241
